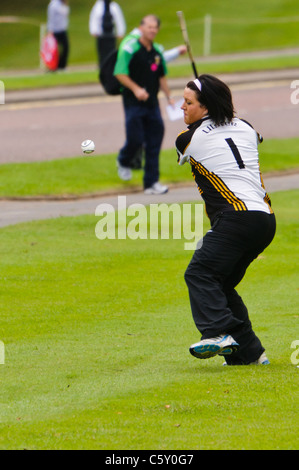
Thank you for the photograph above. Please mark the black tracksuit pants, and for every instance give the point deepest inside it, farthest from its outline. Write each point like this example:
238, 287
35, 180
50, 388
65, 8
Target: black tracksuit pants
234, 241
63, 44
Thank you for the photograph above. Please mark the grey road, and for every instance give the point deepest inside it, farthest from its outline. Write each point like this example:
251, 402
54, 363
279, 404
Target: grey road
35, 127
14, 212
50, 124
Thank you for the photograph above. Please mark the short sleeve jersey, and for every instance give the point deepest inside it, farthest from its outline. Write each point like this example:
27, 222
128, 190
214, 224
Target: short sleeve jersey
144, 67
225, 165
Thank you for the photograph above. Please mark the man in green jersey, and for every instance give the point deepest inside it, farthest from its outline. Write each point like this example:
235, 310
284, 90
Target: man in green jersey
141, 70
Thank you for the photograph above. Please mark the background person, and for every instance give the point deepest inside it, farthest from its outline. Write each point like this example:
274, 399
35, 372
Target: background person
57, 24
169, 55
141, 69
223, 153
96, 23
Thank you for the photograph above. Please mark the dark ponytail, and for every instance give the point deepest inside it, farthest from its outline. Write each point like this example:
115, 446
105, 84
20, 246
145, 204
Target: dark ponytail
216, 96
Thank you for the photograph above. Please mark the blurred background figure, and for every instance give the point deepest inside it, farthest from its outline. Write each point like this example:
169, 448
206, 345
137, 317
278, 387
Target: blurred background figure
106, 23
57, 24
169, 55
141, 70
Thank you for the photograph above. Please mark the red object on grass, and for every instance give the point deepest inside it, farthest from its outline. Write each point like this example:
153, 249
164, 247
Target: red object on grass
49, 52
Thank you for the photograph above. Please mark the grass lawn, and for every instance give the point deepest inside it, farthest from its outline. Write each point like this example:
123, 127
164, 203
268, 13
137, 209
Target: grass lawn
96, 338
49, 80
60, 177
235, 27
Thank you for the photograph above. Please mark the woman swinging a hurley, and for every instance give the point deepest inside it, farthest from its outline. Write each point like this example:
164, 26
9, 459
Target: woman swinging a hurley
223, 153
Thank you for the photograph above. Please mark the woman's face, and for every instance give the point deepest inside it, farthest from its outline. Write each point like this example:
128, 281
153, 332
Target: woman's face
193, 110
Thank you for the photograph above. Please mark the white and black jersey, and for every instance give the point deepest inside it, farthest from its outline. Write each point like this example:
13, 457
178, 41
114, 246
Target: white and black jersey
225, 165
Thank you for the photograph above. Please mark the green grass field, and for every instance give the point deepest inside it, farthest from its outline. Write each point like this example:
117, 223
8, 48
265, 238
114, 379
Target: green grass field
235, 27
96, 333
96, 337
98, 173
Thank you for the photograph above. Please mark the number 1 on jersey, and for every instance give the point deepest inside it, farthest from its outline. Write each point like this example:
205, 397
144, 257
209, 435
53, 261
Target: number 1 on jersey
235, 152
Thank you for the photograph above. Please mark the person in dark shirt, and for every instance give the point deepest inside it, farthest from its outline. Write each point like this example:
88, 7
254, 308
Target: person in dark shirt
141, 70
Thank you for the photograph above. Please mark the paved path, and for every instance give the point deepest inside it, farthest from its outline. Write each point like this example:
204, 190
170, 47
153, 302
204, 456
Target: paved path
50, 124
46, 124
96, 90
14, 212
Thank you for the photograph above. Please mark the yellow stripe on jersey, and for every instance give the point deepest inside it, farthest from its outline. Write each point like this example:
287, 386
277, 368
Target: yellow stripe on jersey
220, 186
268, 202
183, 132
185, 148
266, 198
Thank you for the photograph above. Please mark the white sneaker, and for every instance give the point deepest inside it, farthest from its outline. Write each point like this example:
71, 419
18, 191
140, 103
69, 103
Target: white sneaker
222, 345
262, 360
124, 172
156, 188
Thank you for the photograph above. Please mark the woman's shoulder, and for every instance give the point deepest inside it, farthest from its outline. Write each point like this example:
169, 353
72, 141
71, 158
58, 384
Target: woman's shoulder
184, 138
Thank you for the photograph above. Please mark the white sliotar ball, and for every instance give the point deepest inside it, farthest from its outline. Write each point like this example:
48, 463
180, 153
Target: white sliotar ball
88, 146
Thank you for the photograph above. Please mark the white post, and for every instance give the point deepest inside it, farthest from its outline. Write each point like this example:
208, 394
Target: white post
207, 35
2, 353
42, 33
2, 92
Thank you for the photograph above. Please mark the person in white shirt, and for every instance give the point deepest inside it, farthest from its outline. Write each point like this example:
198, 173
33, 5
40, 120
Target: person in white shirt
96, 22
57, 24
222, 151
